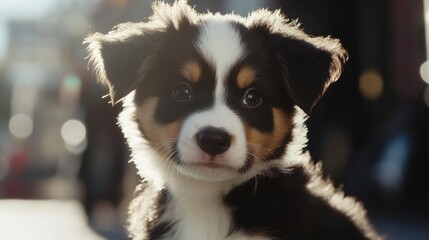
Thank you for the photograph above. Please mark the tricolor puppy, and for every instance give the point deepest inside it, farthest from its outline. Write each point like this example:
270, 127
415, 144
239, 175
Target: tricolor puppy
214, 111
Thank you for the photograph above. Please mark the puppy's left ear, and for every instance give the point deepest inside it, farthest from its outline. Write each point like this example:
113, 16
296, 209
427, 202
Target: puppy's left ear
311, 64
118, 57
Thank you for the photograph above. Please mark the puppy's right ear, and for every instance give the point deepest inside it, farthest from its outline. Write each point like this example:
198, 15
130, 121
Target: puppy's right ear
117, 57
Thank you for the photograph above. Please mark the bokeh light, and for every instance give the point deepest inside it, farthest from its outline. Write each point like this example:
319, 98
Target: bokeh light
391, 168
70, 90
371, 84
73, 132
21, 125
424, 71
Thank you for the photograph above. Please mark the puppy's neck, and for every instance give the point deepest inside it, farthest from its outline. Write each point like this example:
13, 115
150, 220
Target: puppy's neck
196, 207
183, 187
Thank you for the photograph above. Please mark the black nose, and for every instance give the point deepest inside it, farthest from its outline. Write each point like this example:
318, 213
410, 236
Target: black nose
213, 140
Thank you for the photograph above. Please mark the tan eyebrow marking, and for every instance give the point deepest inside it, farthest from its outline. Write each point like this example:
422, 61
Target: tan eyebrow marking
191, 70
245, 76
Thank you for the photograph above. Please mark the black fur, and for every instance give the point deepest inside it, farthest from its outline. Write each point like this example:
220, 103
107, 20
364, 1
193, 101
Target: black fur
281, 206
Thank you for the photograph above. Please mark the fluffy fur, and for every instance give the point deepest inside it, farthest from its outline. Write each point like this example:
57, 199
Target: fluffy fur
214, 112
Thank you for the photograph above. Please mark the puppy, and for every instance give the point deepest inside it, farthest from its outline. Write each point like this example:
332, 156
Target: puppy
214, 111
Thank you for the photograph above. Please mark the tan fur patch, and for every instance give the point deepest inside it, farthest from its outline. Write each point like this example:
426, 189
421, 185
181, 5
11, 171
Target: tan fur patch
245, 76
161, 137
261, 144
192, 71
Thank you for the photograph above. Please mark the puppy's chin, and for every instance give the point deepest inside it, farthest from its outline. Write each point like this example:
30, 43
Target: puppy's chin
208, 172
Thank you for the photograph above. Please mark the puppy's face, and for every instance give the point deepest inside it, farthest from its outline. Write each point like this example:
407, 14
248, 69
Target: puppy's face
213, 103
214, 95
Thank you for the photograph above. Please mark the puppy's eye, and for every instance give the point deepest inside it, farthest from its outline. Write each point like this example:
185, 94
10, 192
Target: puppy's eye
251, 98
183, 92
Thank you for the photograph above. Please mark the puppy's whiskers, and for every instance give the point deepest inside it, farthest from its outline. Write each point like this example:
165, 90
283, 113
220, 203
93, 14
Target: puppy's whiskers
266, 151
164, 143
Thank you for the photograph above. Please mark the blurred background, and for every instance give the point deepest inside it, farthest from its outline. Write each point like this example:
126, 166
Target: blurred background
63, 163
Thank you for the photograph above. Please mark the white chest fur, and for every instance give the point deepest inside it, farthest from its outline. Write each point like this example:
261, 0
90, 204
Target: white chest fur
199, 219
202, 220
198, 211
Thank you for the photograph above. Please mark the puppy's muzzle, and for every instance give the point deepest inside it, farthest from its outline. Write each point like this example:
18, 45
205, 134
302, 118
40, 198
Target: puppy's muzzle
213, 140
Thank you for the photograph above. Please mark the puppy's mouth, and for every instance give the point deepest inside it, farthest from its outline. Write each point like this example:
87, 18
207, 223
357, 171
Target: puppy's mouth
211, 165
204, 161
214, 163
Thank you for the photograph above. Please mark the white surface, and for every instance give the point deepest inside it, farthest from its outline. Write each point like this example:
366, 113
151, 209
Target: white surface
44, 219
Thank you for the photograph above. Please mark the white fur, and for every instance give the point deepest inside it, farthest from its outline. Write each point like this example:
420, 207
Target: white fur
198, 209
220, 116
202, 215
220, 44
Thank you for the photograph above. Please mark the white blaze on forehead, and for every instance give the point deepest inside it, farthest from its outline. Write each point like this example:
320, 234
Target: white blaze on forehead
219, 43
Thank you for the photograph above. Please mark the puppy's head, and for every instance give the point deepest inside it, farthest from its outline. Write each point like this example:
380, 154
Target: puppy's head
214, 95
